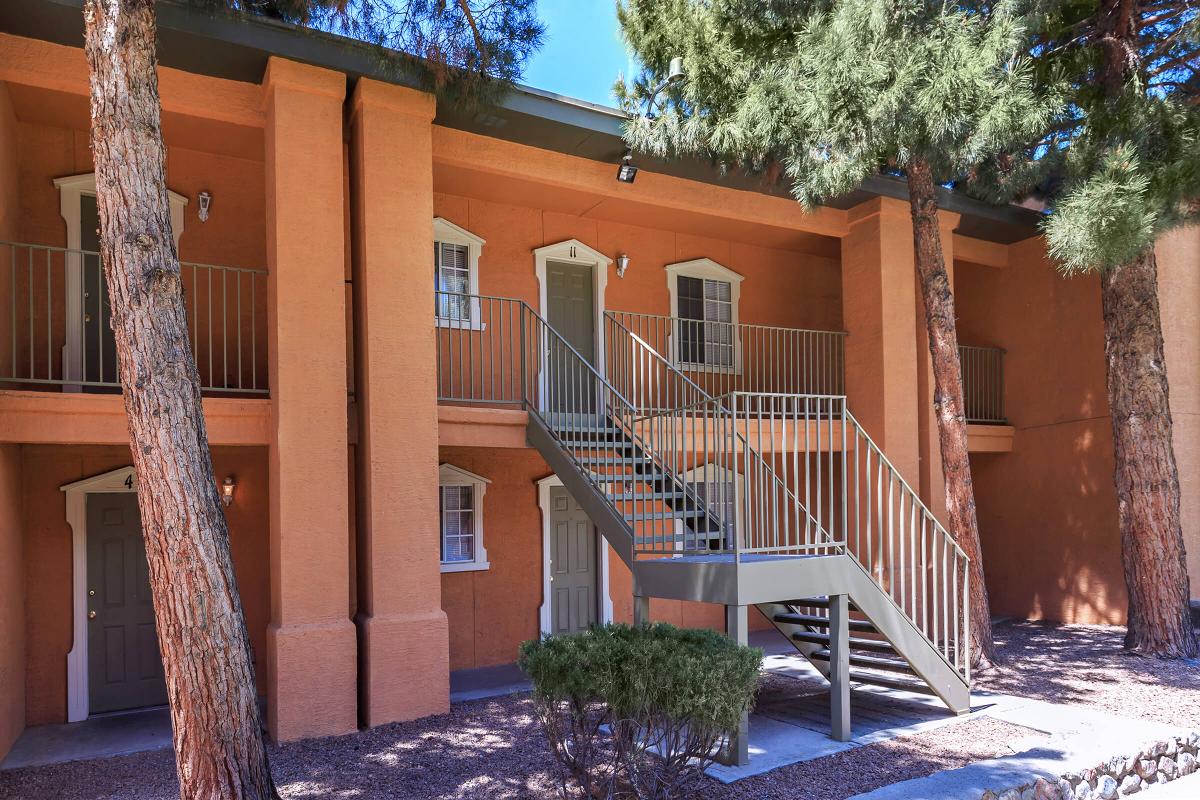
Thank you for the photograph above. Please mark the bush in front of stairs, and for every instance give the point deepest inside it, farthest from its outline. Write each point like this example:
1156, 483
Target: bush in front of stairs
638, 711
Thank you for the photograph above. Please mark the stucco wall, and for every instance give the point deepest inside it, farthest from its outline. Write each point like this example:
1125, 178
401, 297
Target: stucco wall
12, 600
1047, 510
47, 558
1179, 296
780, 287
9, 155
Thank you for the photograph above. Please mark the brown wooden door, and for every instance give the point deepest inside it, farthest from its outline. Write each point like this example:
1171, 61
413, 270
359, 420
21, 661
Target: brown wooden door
570, 310
573, 570
124, 664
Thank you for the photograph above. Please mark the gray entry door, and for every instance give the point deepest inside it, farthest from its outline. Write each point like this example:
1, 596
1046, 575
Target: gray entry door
571, 310
124, 664
573, 570
99, 356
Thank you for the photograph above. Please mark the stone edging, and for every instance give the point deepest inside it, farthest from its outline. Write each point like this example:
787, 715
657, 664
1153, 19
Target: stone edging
1119, 776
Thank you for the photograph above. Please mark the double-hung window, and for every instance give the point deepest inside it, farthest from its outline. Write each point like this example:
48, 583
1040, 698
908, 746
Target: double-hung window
460, 512
456, 254
704, 302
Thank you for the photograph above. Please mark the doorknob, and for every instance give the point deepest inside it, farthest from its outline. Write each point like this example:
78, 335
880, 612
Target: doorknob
91, 615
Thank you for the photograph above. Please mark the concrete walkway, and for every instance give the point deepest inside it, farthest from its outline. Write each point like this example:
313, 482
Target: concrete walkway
98, 737
1078, 738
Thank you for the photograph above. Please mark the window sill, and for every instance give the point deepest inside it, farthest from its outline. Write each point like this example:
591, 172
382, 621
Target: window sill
460, 324
708, 369
466, 566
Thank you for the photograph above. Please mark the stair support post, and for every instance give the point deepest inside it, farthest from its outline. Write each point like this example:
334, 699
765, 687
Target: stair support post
737, 628
839, 667
641, 609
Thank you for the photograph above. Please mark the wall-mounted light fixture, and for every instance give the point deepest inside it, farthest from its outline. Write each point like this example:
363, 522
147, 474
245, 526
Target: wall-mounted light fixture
205, 202
622, 265
227, 487
627, 172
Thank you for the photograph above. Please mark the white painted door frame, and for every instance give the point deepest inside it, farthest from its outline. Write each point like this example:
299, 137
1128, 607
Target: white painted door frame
604, 590
70, 189
572, 251
117, 481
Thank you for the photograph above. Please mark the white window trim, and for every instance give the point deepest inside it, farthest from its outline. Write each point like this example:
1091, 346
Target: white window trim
715, 473
446, 231
118, 480
70, 189
706, 268
450, 475
604, 589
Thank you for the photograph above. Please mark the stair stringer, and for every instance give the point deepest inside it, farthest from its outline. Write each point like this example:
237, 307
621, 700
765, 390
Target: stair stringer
920, 653
611, 524
806, 649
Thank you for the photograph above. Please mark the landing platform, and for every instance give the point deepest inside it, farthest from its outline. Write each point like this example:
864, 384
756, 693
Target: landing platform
747, 580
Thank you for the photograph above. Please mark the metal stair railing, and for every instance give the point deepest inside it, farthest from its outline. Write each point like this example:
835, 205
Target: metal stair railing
838, 484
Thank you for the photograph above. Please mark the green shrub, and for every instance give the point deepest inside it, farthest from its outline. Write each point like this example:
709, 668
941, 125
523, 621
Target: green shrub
638, 711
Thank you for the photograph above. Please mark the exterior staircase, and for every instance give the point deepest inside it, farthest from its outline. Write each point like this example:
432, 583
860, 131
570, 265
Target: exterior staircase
777, 501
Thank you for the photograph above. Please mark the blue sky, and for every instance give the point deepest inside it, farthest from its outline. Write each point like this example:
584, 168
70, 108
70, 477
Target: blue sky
582, 53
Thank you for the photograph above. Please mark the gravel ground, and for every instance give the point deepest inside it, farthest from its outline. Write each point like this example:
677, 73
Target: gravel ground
1087, 665
494, 749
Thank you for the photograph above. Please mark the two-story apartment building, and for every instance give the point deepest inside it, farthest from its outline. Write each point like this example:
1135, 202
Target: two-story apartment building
462, 385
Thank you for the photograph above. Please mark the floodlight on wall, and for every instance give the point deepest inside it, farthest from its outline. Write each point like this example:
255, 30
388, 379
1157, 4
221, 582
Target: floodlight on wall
627, 172
205, 202
622, 265
227, 487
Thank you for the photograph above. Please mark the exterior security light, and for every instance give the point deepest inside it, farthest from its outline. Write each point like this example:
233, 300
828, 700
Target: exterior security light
205, 202
622, 264
627, 172
675, 72
227, 487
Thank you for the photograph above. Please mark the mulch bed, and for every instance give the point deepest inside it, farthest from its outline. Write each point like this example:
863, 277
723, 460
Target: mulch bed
495, 749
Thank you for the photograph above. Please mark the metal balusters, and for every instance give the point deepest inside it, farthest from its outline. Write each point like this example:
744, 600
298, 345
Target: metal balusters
983, 383
59, 334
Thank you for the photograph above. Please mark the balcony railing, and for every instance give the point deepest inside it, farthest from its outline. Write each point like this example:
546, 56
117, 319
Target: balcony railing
983, 383
722, 357
55, 323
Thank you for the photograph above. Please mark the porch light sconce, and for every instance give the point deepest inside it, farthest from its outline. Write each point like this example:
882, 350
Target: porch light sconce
205, 202
622, 265
227, 487
627, 172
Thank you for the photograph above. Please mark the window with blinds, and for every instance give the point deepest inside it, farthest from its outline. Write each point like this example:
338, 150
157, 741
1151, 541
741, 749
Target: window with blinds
705, 321
458, 524
452, 276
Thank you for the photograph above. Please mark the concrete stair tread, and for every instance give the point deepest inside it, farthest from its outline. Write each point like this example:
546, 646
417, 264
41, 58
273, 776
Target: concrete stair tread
869, 662
815, 637
822, 622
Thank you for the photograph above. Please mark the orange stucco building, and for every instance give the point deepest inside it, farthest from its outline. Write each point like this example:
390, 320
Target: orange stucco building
392, 527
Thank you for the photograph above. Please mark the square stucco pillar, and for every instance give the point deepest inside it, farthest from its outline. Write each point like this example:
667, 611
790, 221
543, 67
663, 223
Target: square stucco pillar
879, 313
932, 483
311, 645
403, 632
1178, 255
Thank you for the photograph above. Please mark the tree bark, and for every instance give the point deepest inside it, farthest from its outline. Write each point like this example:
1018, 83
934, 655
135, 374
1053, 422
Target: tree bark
1146, 476
948, 397
219, 751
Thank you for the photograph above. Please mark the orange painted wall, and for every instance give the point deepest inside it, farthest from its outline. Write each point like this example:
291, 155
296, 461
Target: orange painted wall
1179, 297
9, 160
47, 558
1047, 510
781, 287
233, 236
12, 599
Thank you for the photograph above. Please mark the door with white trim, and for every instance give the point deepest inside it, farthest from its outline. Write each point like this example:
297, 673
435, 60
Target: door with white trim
573, 565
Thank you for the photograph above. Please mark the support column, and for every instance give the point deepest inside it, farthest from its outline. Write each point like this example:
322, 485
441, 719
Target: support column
839, 667
879, 312
403, 631
931, 482
737, 627
641, 609
311, 658
1178, 255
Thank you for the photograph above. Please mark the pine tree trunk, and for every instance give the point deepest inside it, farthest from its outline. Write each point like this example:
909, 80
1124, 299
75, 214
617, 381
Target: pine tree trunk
1147, 479
948, 397
219, 751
